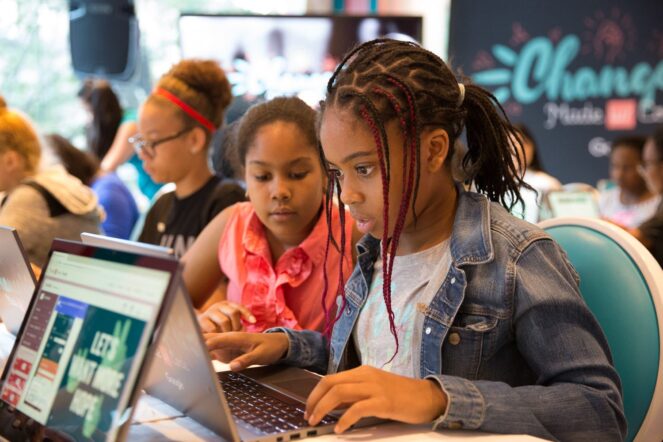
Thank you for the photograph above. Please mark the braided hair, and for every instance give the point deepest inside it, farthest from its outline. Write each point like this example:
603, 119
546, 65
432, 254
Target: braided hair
385, 80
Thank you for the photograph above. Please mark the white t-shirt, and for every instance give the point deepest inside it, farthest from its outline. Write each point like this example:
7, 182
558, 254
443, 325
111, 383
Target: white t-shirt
372, 335
629, 215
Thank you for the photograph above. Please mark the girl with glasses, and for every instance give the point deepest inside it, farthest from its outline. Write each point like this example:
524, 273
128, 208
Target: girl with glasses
175, 128
282, 267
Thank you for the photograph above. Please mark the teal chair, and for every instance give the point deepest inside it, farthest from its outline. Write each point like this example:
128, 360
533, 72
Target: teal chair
623, 286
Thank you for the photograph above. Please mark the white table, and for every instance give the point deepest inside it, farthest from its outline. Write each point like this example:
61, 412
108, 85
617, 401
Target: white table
156, 421
153, 424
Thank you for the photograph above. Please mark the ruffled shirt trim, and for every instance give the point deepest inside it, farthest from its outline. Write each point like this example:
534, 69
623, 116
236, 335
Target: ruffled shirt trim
263, 290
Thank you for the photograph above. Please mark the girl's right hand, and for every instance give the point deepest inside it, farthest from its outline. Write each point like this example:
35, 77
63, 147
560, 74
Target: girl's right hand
241, 350
224, 316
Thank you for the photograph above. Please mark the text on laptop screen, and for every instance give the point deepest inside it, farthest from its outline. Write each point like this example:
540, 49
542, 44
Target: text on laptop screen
79, 354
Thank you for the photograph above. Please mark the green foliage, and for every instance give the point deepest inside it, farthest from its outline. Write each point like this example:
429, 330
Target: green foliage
35, 66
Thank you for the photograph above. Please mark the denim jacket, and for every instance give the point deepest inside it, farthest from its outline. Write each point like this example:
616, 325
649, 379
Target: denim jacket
507, 335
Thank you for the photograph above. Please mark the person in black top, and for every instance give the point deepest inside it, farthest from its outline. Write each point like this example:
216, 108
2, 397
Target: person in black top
176, 222
175, 128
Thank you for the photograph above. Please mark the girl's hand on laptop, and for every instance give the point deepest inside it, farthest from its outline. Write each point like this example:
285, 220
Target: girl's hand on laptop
241, 350
224, 316
368, 391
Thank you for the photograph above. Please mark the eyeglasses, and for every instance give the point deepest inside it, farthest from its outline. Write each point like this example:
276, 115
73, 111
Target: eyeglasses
148, 147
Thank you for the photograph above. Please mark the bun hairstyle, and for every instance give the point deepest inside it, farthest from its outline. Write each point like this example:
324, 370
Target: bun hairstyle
18, 134
202, 85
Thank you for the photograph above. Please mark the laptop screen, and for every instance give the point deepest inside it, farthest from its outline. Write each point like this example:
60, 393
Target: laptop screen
78, 355
573, 203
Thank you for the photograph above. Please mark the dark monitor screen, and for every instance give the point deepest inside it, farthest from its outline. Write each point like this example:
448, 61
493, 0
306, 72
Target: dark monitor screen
268, 56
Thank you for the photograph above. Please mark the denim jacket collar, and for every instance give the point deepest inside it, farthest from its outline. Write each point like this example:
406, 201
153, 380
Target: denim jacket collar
470, 239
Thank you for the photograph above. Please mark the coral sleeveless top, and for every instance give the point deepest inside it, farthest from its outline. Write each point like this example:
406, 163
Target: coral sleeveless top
287, 293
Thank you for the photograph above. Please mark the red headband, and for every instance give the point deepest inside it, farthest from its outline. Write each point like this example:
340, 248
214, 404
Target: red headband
186, 108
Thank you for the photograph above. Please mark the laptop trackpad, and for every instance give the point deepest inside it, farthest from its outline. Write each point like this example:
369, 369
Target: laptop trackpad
295, 382
298, 384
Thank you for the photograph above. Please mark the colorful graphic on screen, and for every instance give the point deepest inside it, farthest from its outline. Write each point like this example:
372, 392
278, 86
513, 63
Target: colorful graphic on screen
76, 361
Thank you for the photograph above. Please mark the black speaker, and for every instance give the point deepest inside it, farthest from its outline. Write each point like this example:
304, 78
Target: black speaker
103, 37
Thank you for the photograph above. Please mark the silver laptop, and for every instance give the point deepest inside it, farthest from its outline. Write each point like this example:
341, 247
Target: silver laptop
258, 404
84, 348
17, 280
182, 375
140, 248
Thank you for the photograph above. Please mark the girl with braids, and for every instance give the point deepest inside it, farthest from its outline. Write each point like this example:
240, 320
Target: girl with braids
273, 249
176, 125
486, 327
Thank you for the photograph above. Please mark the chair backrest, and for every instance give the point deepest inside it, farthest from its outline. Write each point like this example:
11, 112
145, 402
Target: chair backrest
623, 286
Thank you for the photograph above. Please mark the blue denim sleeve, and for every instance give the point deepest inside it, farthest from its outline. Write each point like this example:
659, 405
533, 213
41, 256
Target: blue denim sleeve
577, 393
306, 349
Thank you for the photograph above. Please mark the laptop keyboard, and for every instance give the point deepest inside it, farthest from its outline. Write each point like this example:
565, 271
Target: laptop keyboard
262, 408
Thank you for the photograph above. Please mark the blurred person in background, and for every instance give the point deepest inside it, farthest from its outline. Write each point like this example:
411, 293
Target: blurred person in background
41, 201
108, 131
533, 174
114, 196
630, 203
650, 233
104, 115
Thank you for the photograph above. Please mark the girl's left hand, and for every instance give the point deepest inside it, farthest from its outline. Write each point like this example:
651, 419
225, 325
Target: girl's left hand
368, 391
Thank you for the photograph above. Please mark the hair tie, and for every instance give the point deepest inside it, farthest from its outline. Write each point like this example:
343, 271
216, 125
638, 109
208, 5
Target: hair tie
461, 94
186, 108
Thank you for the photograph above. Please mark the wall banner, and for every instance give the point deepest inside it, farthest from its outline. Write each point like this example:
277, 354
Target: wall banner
577, 73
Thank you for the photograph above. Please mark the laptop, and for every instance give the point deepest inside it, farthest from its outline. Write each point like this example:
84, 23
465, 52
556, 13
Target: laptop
182, 375
573, 203
140, 248
257, 404
17, 280
83, 350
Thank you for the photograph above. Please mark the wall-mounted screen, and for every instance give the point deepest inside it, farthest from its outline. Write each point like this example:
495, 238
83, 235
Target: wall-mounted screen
268, 56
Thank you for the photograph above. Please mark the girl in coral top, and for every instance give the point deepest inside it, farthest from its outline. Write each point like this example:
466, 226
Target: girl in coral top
272, 249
